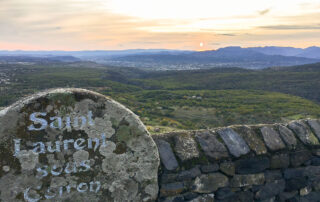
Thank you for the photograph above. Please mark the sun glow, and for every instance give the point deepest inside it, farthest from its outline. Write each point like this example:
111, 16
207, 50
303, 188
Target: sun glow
179, 24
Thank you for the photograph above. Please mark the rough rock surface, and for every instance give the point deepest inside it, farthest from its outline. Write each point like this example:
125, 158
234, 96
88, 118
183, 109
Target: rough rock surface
236, 145
247, 180
210, 182
166, 154
272, 138
186, 147
315, 125
211, 145
254, 141
287, 136
288, 171
75, 145
303, 133
251, 165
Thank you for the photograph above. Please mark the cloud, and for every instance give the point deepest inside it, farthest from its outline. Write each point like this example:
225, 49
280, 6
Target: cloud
227, 34
263, 12
291, 27
82, 24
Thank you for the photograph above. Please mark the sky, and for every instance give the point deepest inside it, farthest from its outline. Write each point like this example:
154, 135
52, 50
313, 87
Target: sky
153, 24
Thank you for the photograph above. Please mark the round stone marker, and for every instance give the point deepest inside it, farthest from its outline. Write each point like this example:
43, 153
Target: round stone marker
75, 145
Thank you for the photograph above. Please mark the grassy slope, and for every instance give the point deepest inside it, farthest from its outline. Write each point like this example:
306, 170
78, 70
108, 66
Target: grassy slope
192, 109
228, 96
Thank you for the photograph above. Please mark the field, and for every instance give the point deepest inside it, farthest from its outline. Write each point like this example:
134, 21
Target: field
181, 99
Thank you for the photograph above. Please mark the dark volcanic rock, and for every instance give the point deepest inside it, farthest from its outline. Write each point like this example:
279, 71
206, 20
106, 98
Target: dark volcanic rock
252, 165
190, 195
223, 193
315, 161
294, 173
272, 175
312, 197
209, 168
299, 157
168, 177
189, 174
296, 183
270, 190
279, 161
228, 168
171, 189
244, 196
284, 196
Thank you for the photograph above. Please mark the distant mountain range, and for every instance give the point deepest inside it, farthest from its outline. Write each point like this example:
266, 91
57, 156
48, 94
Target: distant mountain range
311, 52
163, 59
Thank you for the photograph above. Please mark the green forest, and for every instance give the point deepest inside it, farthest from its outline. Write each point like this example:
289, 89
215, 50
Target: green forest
174, 100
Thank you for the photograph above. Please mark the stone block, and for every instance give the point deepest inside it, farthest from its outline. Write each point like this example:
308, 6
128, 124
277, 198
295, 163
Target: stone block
209, 168
303, 132
208, 183
236, 145
287, 136
272, 138
296, 183
270, 190
300, 157
211, 146
186, 147
228, 168
171, 189
167, 156
272, 175
247, 180
252, 139
204, 198
252, 165
315, 126
189, 174
224, 193
291, 173
279, 161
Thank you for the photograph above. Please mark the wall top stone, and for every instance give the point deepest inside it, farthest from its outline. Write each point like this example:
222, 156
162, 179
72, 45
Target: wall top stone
74, 144
233, 142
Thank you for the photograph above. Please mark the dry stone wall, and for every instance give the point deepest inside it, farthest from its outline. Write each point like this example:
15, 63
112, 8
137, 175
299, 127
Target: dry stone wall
279, 162
77, 145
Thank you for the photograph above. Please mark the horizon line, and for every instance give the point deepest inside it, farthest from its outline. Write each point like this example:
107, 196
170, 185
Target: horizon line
48, 50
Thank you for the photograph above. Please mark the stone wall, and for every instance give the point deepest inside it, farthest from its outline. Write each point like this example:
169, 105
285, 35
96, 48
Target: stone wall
279, 162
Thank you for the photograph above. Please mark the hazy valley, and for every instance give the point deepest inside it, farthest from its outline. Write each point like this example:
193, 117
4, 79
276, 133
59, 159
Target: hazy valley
176, 99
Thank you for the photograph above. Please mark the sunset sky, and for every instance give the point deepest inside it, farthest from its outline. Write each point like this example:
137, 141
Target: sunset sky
169, 24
